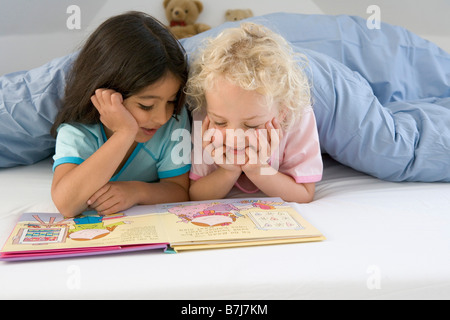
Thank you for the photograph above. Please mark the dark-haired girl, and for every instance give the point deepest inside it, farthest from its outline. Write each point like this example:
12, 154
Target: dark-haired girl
123, 101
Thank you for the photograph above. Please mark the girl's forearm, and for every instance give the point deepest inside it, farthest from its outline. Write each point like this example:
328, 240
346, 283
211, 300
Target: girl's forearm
277, 184
72, 189
159, 192
214, 186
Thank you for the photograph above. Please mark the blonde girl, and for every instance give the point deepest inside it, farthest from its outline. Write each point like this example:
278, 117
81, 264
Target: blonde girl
253, 99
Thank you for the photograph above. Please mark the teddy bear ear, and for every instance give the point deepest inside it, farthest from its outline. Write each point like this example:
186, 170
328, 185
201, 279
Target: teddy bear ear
227, 13
165, 3
199, 5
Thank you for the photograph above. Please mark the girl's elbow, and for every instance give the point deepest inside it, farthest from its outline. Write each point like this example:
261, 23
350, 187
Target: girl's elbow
309, 198
301, 198
310, 192
306, 194
193, 195
65, 207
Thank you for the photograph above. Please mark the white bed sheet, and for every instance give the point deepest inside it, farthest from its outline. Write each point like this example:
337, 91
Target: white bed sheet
384, 241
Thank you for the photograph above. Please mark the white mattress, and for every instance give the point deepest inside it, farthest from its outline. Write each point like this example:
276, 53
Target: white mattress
384, 241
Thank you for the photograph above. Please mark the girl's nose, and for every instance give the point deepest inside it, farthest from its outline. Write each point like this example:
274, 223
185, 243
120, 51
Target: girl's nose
161, 116
235, 137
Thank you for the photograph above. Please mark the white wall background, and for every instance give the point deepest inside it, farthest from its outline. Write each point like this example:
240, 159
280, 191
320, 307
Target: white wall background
33, 32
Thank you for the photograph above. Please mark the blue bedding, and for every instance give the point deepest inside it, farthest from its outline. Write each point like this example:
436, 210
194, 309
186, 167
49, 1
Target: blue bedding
29, 102
381, 97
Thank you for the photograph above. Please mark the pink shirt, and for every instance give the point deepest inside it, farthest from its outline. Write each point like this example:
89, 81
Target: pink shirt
299, 155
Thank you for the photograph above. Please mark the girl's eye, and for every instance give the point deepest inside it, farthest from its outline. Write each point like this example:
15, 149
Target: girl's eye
145, 108
220, 124
252, 127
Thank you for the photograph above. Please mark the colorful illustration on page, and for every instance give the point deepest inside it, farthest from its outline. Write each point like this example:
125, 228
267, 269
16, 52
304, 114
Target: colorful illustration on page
81, 228
213, 214
92, 227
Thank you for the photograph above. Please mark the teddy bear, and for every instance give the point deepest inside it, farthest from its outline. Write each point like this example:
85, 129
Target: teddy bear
182, 16
238, 14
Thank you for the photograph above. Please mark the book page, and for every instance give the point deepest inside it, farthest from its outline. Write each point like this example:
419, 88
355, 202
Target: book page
40, 231
234, 220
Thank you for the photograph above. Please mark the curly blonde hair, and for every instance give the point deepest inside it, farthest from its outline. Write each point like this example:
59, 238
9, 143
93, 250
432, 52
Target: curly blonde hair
253, 58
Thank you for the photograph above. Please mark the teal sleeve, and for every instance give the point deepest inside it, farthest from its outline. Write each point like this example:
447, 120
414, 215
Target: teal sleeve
75, 143
176, 155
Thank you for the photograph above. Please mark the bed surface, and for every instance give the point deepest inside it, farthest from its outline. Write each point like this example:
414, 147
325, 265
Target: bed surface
385, 240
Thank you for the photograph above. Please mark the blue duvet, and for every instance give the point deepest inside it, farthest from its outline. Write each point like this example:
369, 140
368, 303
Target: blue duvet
381, 97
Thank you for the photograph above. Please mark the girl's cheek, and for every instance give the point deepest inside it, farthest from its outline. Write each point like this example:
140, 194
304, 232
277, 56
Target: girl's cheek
219, 136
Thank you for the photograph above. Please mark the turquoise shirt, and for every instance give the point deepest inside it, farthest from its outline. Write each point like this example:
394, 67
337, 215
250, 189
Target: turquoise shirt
149, 162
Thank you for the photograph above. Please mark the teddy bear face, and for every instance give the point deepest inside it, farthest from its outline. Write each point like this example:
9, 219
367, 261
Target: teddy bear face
238, 14
184, 12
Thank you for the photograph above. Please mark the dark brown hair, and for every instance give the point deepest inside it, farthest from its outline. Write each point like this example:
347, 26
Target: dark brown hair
126, 53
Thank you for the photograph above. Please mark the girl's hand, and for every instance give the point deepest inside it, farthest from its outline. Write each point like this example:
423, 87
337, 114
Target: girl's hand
215, 148
113, 197
267, 141
113, 113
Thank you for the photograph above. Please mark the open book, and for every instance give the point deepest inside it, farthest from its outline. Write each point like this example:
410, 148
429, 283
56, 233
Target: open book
171, 227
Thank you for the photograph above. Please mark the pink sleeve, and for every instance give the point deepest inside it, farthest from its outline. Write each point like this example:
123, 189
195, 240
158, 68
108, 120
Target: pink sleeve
301, 158
200, 170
